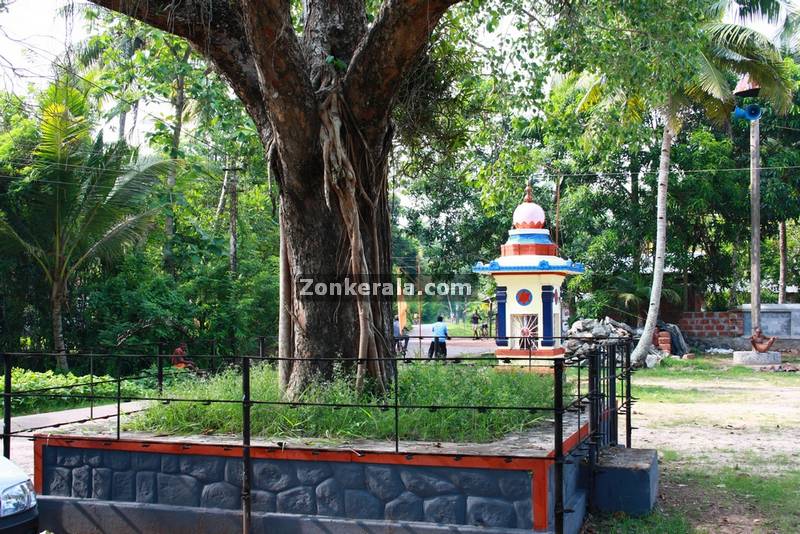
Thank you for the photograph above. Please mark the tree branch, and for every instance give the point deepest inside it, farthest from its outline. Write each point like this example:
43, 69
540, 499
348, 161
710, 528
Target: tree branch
215, 30
386, 55
282, 70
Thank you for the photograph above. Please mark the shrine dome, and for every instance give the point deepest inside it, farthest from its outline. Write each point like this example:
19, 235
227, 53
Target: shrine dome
528, 214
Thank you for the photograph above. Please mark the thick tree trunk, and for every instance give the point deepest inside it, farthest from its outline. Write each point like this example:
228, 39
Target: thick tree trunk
637, 248
316, 330
643, 346
60, 348
782, 269
322, 104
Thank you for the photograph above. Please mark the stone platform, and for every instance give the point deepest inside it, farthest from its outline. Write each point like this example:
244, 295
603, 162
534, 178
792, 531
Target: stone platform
751, 357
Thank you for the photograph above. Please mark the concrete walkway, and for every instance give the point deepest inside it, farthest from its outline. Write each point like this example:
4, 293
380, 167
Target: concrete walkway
455, 347
22, 447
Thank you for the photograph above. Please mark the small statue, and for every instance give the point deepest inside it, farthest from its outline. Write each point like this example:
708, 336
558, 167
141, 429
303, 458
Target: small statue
760, 342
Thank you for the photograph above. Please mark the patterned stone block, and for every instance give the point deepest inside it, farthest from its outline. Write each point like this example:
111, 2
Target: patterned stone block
486, 512
93, 458
178, 490
117, 460
361, 504
383, 481
406, 507
330, 498
59, 482
299, 500
142, 461
146, 487
273, 475
474, 482
350, 476
82, 482
203, 468
524, 510
101, 483
170, 464
234, 471
68, 458
515, 485
312, 473
221, 495
425, 484
449, 509
123, 486
262, 501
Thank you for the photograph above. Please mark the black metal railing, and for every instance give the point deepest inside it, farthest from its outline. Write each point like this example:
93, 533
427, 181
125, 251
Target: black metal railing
591, 388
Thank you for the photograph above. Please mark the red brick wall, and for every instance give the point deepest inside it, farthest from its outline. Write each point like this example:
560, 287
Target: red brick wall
712, 324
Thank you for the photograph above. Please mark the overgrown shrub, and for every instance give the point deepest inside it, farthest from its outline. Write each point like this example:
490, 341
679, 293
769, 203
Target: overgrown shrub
419, 385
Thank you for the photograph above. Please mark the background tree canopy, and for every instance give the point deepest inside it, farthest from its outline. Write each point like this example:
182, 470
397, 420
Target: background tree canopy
498, 96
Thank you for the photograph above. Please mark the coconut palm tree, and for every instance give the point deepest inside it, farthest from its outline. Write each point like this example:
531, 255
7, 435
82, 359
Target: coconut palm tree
730, 49
84, 200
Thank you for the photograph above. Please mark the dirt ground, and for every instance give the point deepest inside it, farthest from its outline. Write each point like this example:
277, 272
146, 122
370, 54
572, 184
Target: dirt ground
749, 424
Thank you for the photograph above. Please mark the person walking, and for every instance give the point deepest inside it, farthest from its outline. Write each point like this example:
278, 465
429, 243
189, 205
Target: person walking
400, 337
438, 346
476, 321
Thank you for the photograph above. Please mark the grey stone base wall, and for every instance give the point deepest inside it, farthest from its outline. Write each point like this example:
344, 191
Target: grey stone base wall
443, 495
65, 515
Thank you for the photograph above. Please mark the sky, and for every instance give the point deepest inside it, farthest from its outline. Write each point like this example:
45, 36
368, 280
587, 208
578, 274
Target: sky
31, 33
34, 32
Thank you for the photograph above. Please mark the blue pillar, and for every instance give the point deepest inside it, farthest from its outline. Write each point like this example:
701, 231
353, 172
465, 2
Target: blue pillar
547, 317
501, 340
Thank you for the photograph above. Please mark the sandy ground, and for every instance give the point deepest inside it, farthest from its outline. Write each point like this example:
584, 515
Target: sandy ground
750, 424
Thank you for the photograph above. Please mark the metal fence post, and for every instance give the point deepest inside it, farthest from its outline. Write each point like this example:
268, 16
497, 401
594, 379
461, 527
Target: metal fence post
119, 396
160, 367
594, 415
91, 386
7, 405
246, 465
558, 405
628, 396
612, 395
396, 405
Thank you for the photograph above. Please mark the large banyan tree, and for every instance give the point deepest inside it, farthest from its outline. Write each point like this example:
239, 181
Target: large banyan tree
321, 101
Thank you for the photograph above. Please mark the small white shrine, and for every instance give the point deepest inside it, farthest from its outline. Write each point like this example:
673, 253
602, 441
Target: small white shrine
529, 275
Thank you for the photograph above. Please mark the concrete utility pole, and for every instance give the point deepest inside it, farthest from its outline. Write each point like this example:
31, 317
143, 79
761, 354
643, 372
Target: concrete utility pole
755, 224
752, 113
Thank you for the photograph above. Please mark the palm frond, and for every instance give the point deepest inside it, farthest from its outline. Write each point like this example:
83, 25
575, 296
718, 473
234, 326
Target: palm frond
129, 230
34, 251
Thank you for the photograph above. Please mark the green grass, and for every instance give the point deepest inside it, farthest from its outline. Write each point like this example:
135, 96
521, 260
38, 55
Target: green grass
658, 522
420, 384
458, 329
647, 393
776, 497
705, 368
67, 387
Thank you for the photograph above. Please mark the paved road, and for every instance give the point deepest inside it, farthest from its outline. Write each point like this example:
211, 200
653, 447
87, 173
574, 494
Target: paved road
455, 347
22, 448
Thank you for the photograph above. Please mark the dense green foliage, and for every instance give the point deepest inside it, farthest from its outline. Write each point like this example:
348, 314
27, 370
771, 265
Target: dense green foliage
506, 92
49, 391
421, 385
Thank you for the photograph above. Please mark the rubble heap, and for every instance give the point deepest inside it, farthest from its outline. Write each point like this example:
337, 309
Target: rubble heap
587, 334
